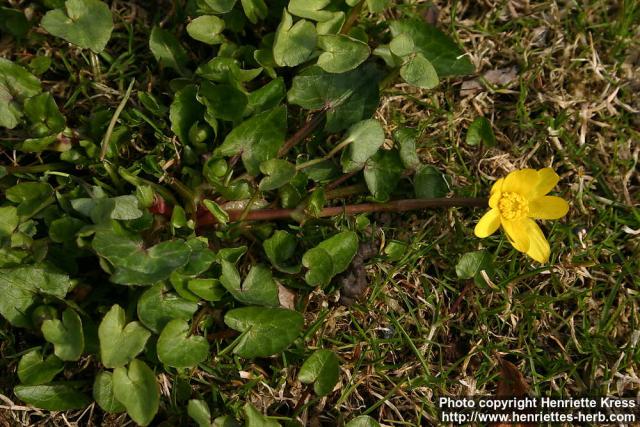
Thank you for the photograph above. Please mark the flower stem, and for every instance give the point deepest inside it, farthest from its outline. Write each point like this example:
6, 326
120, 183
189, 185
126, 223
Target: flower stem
394, 206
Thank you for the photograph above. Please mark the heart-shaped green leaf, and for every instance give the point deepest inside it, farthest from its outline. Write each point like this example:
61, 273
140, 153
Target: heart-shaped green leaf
310, 9
52, 397
364, 138
341, 53
267, 331
322, 369
201, 257
34, 370
279, 172
362, 421
206, 29
31, 196
218, 6
199, 411
207, 289
329, 258
223, 101
349, 97
14, 22
43, 113
267, 97
402, 45
382, 173
167, 50
418, 71
136, 265
443, 53
406, 139
66, 335
216, 210
429, 183
185, 110
279, 248
481, 131
254, 10
103, 393
20, 286
257, 139
8, 220
85, 23
253, 417
294, 43
137, 390
120, 342
471, 265
157, 306
258, 288
16, 85
177, 349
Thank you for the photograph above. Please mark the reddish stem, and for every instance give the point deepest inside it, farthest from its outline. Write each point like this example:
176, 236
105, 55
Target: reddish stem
206, 219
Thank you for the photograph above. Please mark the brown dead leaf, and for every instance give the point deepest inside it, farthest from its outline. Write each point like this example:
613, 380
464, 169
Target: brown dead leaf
287, 297
501, 77
510, 384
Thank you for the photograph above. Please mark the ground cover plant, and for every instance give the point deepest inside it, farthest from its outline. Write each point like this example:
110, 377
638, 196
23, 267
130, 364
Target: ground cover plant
221, 212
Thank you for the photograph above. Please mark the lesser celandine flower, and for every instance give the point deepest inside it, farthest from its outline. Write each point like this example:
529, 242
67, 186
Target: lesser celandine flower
515, 201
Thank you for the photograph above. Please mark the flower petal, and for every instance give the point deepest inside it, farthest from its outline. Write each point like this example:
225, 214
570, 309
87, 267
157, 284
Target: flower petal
493, 200
496, 187
546, 180
488, 224
523, 182
548, 207
539, 246
517, 233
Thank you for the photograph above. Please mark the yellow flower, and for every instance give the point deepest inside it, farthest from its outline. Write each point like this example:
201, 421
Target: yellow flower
514, 201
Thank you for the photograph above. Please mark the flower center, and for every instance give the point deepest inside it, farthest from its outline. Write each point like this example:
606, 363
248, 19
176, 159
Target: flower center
513, 206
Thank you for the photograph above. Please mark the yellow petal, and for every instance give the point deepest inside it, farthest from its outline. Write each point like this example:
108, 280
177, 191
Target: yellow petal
548, 207
497, 186
493, 200
539, 246
522, 181
488, 224
517, 233
546, 180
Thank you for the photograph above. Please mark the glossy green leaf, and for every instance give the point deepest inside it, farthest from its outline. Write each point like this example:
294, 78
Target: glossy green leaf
418, 71
120, 342
267, 97
64, 229
223, 101
362, 421
331, 25
226, 70
257, 139
329, 258
179, 350
206, 29
33, 369
253, 418
471, 265
185, 110
382, 173
310, 9
376, 6
321, 369
137, 265
278, 173
137, 390
294, 43
43, 113
8, 220
207, 289
258, 288
16, 85
480, 131
198, 410
268, 331
31, 197
52, 397
364, 138
66, 335
443, 53
157, 306
280, 248
14, 22
167, 50
20, 287
429, 183
103, 393
218, 6
85, 23
218, 213
341, 53
402, 45
348, 97
254, 10
406, 139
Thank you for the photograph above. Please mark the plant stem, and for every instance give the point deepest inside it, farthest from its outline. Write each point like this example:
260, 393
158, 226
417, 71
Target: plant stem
351, 18
36, 168
114, 120
394, 206
307, 129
